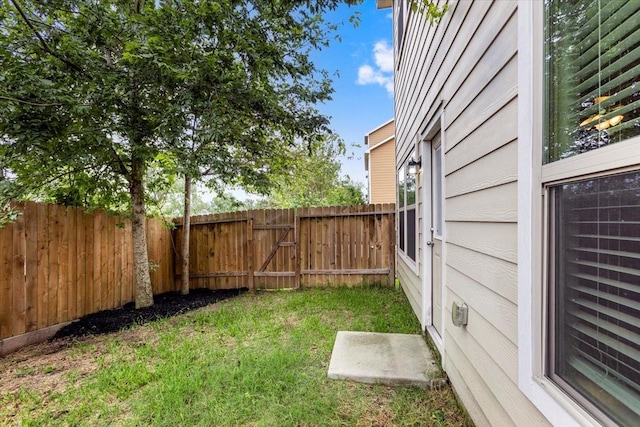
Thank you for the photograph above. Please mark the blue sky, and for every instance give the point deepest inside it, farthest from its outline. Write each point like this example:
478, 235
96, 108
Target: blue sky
363, 99
361, 66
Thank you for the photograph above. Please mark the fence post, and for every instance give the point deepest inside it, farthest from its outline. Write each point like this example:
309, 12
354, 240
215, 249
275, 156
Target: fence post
297, 243
392, 246
250, 267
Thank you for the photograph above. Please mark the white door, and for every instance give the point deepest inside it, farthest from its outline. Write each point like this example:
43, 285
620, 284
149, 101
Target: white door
436, 234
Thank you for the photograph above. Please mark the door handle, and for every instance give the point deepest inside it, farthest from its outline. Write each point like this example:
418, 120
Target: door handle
429, 243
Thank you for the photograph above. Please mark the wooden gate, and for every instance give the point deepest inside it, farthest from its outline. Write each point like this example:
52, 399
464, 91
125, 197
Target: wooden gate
288, 248
273, 248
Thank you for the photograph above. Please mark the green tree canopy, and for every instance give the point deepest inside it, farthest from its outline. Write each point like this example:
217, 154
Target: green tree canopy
313, 179
93, 93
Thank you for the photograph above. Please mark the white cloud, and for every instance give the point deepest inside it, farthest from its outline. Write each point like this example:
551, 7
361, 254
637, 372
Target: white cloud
382, 74
367, 76
384, 56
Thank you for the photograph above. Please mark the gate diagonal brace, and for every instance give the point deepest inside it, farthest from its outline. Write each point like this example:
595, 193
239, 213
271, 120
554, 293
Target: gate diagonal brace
275, 248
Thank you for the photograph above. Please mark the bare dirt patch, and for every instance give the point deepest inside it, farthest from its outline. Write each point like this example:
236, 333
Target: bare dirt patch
43, 367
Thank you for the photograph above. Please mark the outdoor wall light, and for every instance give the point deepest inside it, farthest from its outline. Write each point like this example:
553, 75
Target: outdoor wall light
414, 166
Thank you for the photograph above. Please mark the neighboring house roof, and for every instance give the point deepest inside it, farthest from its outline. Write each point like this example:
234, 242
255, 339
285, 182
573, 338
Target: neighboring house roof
384, 4
379, 127
376, 137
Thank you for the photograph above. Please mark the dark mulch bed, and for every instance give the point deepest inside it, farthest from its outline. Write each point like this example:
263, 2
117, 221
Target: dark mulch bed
166, 305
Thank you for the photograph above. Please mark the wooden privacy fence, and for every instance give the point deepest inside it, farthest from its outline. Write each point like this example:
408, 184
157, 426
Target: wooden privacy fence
290, 248
60, 263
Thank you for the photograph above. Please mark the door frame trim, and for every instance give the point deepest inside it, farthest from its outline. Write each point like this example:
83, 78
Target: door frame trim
436, 125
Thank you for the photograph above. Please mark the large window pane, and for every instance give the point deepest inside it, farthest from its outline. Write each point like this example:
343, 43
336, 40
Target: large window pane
401, 208
595, 298
411, 233
411, 189
401, 188
592, 57
407, 212
401, 234
437, 192
411, 214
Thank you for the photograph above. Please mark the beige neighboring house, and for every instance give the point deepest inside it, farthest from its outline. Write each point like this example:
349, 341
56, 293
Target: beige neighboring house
380, 163
518, 161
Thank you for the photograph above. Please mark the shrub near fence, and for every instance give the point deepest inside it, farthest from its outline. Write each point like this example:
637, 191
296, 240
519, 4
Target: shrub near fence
60, 263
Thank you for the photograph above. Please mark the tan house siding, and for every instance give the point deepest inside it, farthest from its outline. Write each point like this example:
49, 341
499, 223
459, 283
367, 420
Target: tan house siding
382, 133
382, 163
382, 173
467, 67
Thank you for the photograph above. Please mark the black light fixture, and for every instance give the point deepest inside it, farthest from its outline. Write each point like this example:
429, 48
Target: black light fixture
414, 165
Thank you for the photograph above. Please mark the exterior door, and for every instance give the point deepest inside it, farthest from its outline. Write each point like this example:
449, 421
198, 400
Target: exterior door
436, 234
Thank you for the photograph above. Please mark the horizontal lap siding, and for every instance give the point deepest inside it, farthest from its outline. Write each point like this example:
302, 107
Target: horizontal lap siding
468, 66
518, 408
411, 285
383, 173
493, 273
410, 81
489, 205
484, 173
381, 134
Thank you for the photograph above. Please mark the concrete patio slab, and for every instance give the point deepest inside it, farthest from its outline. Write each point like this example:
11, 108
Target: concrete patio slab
391, 359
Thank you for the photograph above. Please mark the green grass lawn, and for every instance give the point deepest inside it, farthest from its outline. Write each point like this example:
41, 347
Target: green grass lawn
260, 360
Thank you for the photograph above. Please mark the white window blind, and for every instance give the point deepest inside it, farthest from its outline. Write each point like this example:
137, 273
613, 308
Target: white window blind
595, 268
411, 215
401, 208
399, 24
407, 212
593, 74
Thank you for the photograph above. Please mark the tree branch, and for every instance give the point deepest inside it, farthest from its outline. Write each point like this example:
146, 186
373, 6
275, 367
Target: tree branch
35, 104
123, 168
43, 42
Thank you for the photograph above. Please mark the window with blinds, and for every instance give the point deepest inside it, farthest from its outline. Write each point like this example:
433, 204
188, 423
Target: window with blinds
592, 57
401, 209
412, 236
596, 292
592, 100
400, 6
407, 236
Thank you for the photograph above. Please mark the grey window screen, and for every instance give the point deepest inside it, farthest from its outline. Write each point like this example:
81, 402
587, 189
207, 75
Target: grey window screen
595, 292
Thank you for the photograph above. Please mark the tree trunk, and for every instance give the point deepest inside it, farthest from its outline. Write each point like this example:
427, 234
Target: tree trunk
144, 293
186, 231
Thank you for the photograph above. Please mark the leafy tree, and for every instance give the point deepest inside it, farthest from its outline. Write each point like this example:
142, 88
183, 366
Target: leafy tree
99, 90
429, 9
170, 203
267, 82
314, 179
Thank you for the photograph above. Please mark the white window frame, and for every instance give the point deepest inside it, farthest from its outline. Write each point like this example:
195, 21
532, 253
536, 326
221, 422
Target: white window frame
401, 18
402, 253
553, 403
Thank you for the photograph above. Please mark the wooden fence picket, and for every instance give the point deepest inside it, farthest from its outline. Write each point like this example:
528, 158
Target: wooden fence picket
60, 263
